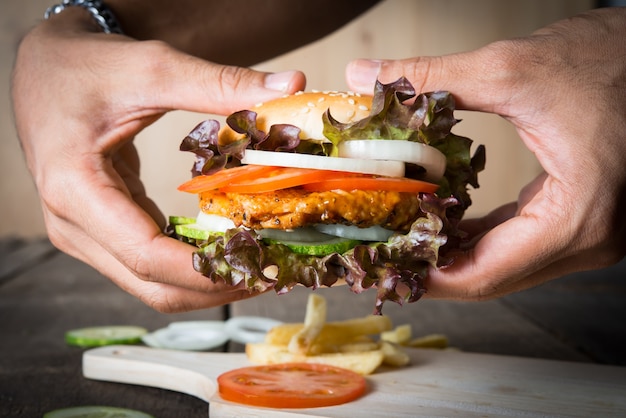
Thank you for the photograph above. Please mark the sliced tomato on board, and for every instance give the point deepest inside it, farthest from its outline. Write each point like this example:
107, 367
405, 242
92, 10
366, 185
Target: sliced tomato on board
224, 177
283, 178
291, 385
393, 184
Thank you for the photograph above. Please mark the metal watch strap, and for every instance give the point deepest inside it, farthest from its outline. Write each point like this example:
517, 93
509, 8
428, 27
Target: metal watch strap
103, 16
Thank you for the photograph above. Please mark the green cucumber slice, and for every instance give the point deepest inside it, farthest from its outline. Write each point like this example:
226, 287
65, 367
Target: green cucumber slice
321, 248
105, 335
96, 412
181, 220
195, 231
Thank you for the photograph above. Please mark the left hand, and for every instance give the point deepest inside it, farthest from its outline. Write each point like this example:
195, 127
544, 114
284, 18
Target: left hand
80, 97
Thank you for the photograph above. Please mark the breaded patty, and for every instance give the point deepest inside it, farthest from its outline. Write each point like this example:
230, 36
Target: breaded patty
293, 208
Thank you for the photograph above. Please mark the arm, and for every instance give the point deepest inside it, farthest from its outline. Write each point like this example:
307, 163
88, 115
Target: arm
236, 32
563, 88
80, 97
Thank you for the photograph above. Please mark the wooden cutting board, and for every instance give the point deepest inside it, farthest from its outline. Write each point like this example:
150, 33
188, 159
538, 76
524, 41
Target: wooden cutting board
436, 384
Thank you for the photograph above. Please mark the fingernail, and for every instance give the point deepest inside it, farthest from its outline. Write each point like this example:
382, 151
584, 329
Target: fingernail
280, 81
361, 74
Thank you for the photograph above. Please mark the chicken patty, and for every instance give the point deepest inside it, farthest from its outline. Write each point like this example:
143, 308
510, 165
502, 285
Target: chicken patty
293, 208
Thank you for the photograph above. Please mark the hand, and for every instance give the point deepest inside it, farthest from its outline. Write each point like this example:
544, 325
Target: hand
564, 89
80, 97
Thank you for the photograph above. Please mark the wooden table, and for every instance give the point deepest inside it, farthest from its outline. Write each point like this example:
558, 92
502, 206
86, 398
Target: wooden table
43, 293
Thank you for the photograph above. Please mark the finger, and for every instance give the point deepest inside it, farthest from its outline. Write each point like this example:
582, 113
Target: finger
130, 235
160, 296
494, 267
513, 254
544, 241
138, 243
179, 81
464, 75
126, 164
476, 227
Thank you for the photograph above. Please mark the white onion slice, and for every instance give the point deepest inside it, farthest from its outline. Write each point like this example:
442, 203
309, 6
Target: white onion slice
378, 167
192, 335
433, 160
214, 223
249, 329
373, 233
305, 234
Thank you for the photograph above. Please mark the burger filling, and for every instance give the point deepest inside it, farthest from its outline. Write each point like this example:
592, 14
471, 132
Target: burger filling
386, 188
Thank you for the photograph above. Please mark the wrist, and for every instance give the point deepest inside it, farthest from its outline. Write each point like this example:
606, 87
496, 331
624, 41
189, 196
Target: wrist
73, 19
101, 14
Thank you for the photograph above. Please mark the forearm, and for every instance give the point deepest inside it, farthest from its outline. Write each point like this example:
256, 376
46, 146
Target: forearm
237, 32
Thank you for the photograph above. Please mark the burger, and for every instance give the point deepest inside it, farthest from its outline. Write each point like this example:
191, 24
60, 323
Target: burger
320, 188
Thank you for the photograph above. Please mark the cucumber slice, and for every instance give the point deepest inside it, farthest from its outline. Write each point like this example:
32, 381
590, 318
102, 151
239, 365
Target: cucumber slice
96, 412
195, 231
181, 220
106, 335
321, 248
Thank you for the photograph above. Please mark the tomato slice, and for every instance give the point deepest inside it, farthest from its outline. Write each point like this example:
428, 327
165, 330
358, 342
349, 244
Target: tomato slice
263, 179
393, 184
224, 177
291, 385
283, 178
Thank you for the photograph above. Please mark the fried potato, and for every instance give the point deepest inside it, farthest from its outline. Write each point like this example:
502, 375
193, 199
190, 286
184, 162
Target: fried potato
399, 335
339, 332
314, 319
394, 355
362, 362
357, 347
429, 341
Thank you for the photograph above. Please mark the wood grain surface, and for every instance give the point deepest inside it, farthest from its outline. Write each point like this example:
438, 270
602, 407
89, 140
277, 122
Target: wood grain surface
44, 293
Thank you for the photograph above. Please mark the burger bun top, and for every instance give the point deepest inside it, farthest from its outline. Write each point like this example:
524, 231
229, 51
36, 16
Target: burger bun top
305, 110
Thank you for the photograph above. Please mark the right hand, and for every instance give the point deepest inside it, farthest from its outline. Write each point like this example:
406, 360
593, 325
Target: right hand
80, 97
563, 89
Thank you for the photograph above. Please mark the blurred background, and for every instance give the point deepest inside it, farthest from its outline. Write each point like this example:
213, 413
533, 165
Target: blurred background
393, 29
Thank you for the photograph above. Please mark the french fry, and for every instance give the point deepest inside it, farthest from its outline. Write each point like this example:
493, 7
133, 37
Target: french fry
399, 335
314, 319
338, 332
263, 353
362, 362
282, 334
361, 343
357, 347
429, 341
393, 355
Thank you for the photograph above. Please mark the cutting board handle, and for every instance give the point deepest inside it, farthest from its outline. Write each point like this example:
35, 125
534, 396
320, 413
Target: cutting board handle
186, 372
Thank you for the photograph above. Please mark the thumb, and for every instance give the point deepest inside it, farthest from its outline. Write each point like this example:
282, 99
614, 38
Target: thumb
465, 75
184, 82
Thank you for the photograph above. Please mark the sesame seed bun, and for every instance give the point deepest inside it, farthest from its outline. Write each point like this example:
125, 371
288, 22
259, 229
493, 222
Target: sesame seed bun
304, 110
